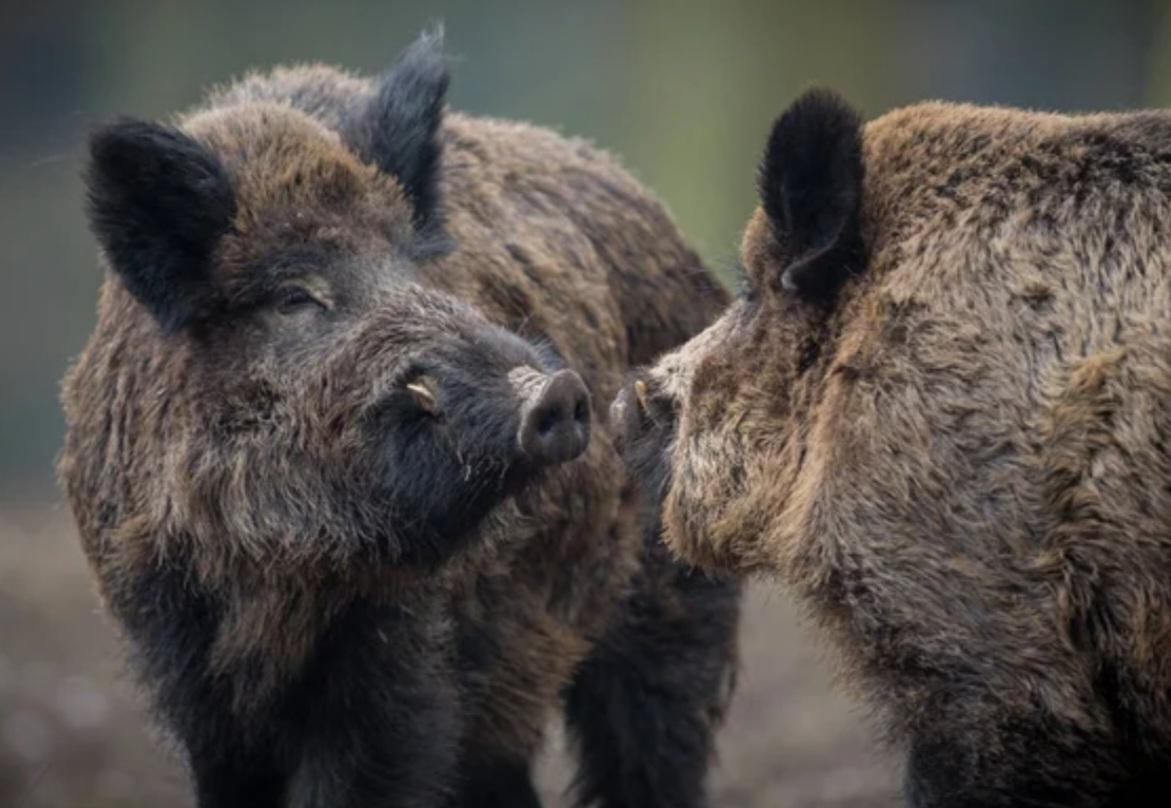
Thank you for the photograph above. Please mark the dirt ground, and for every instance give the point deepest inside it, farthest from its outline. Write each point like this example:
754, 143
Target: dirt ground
73, 734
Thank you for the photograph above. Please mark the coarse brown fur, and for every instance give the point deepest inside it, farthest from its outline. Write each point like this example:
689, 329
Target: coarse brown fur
221, 466
956, 451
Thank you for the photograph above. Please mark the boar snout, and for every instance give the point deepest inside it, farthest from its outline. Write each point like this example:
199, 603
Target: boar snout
555, 419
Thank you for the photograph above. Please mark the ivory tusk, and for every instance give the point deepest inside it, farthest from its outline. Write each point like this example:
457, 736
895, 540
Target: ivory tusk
640, 392
423, 395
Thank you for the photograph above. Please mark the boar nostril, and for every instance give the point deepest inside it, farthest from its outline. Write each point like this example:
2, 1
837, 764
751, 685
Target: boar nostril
581, 411
555, 422
548, 420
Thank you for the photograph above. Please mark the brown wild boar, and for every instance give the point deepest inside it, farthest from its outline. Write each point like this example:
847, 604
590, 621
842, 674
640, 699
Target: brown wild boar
333, 460
940, 413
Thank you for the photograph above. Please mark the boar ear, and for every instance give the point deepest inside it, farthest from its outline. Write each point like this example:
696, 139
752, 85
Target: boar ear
398, 129
811, 191
159, 202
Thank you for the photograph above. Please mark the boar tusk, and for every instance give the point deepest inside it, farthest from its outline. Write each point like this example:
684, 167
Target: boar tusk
423, 395
640, 392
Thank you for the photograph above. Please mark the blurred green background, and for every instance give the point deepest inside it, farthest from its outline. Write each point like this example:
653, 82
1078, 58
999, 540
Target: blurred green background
683, 91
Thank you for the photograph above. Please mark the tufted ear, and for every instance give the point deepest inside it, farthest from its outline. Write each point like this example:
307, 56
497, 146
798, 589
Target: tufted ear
811, 191
159, 202
398, 128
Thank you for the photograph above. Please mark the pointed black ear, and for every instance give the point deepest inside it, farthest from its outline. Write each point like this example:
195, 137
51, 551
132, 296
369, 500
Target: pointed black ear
159, 202
398, 130
811, 191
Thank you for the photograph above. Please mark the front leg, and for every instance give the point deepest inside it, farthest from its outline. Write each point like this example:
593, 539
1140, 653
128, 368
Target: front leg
379, 712
230, 778
972, 753
644, 706
503, 783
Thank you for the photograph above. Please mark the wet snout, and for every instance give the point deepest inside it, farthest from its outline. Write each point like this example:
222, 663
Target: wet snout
554, 417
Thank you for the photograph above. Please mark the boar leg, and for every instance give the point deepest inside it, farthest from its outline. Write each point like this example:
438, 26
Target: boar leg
972, 754
227, 779
380, 714
644, 707
505, 784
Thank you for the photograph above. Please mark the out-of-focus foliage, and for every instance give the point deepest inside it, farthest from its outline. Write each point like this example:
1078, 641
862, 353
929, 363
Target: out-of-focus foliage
682, 90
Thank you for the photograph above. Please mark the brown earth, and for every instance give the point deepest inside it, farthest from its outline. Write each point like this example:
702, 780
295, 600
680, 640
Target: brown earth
73, 733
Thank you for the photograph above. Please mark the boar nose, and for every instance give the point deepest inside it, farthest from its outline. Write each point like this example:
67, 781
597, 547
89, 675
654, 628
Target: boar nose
555, 421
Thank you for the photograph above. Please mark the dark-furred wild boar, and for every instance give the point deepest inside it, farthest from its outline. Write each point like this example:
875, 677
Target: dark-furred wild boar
332, 455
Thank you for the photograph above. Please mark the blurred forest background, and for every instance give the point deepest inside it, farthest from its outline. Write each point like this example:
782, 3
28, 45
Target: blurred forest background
683, 91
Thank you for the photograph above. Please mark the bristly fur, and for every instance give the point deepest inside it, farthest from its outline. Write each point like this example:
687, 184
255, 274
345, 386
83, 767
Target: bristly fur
961, 462
158, 202
339, 593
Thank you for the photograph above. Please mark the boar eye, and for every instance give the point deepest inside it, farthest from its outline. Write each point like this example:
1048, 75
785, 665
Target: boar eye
294, 298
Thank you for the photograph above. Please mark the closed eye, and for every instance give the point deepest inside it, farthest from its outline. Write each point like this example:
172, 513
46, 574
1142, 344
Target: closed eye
293, 299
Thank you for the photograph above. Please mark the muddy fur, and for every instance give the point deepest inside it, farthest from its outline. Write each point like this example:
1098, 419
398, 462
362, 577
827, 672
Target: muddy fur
340, 590
953, 443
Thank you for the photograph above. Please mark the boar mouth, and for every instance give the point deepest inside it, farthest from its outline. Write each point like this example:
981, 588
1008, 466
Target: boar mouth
448, 455
644, 426
431, 522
